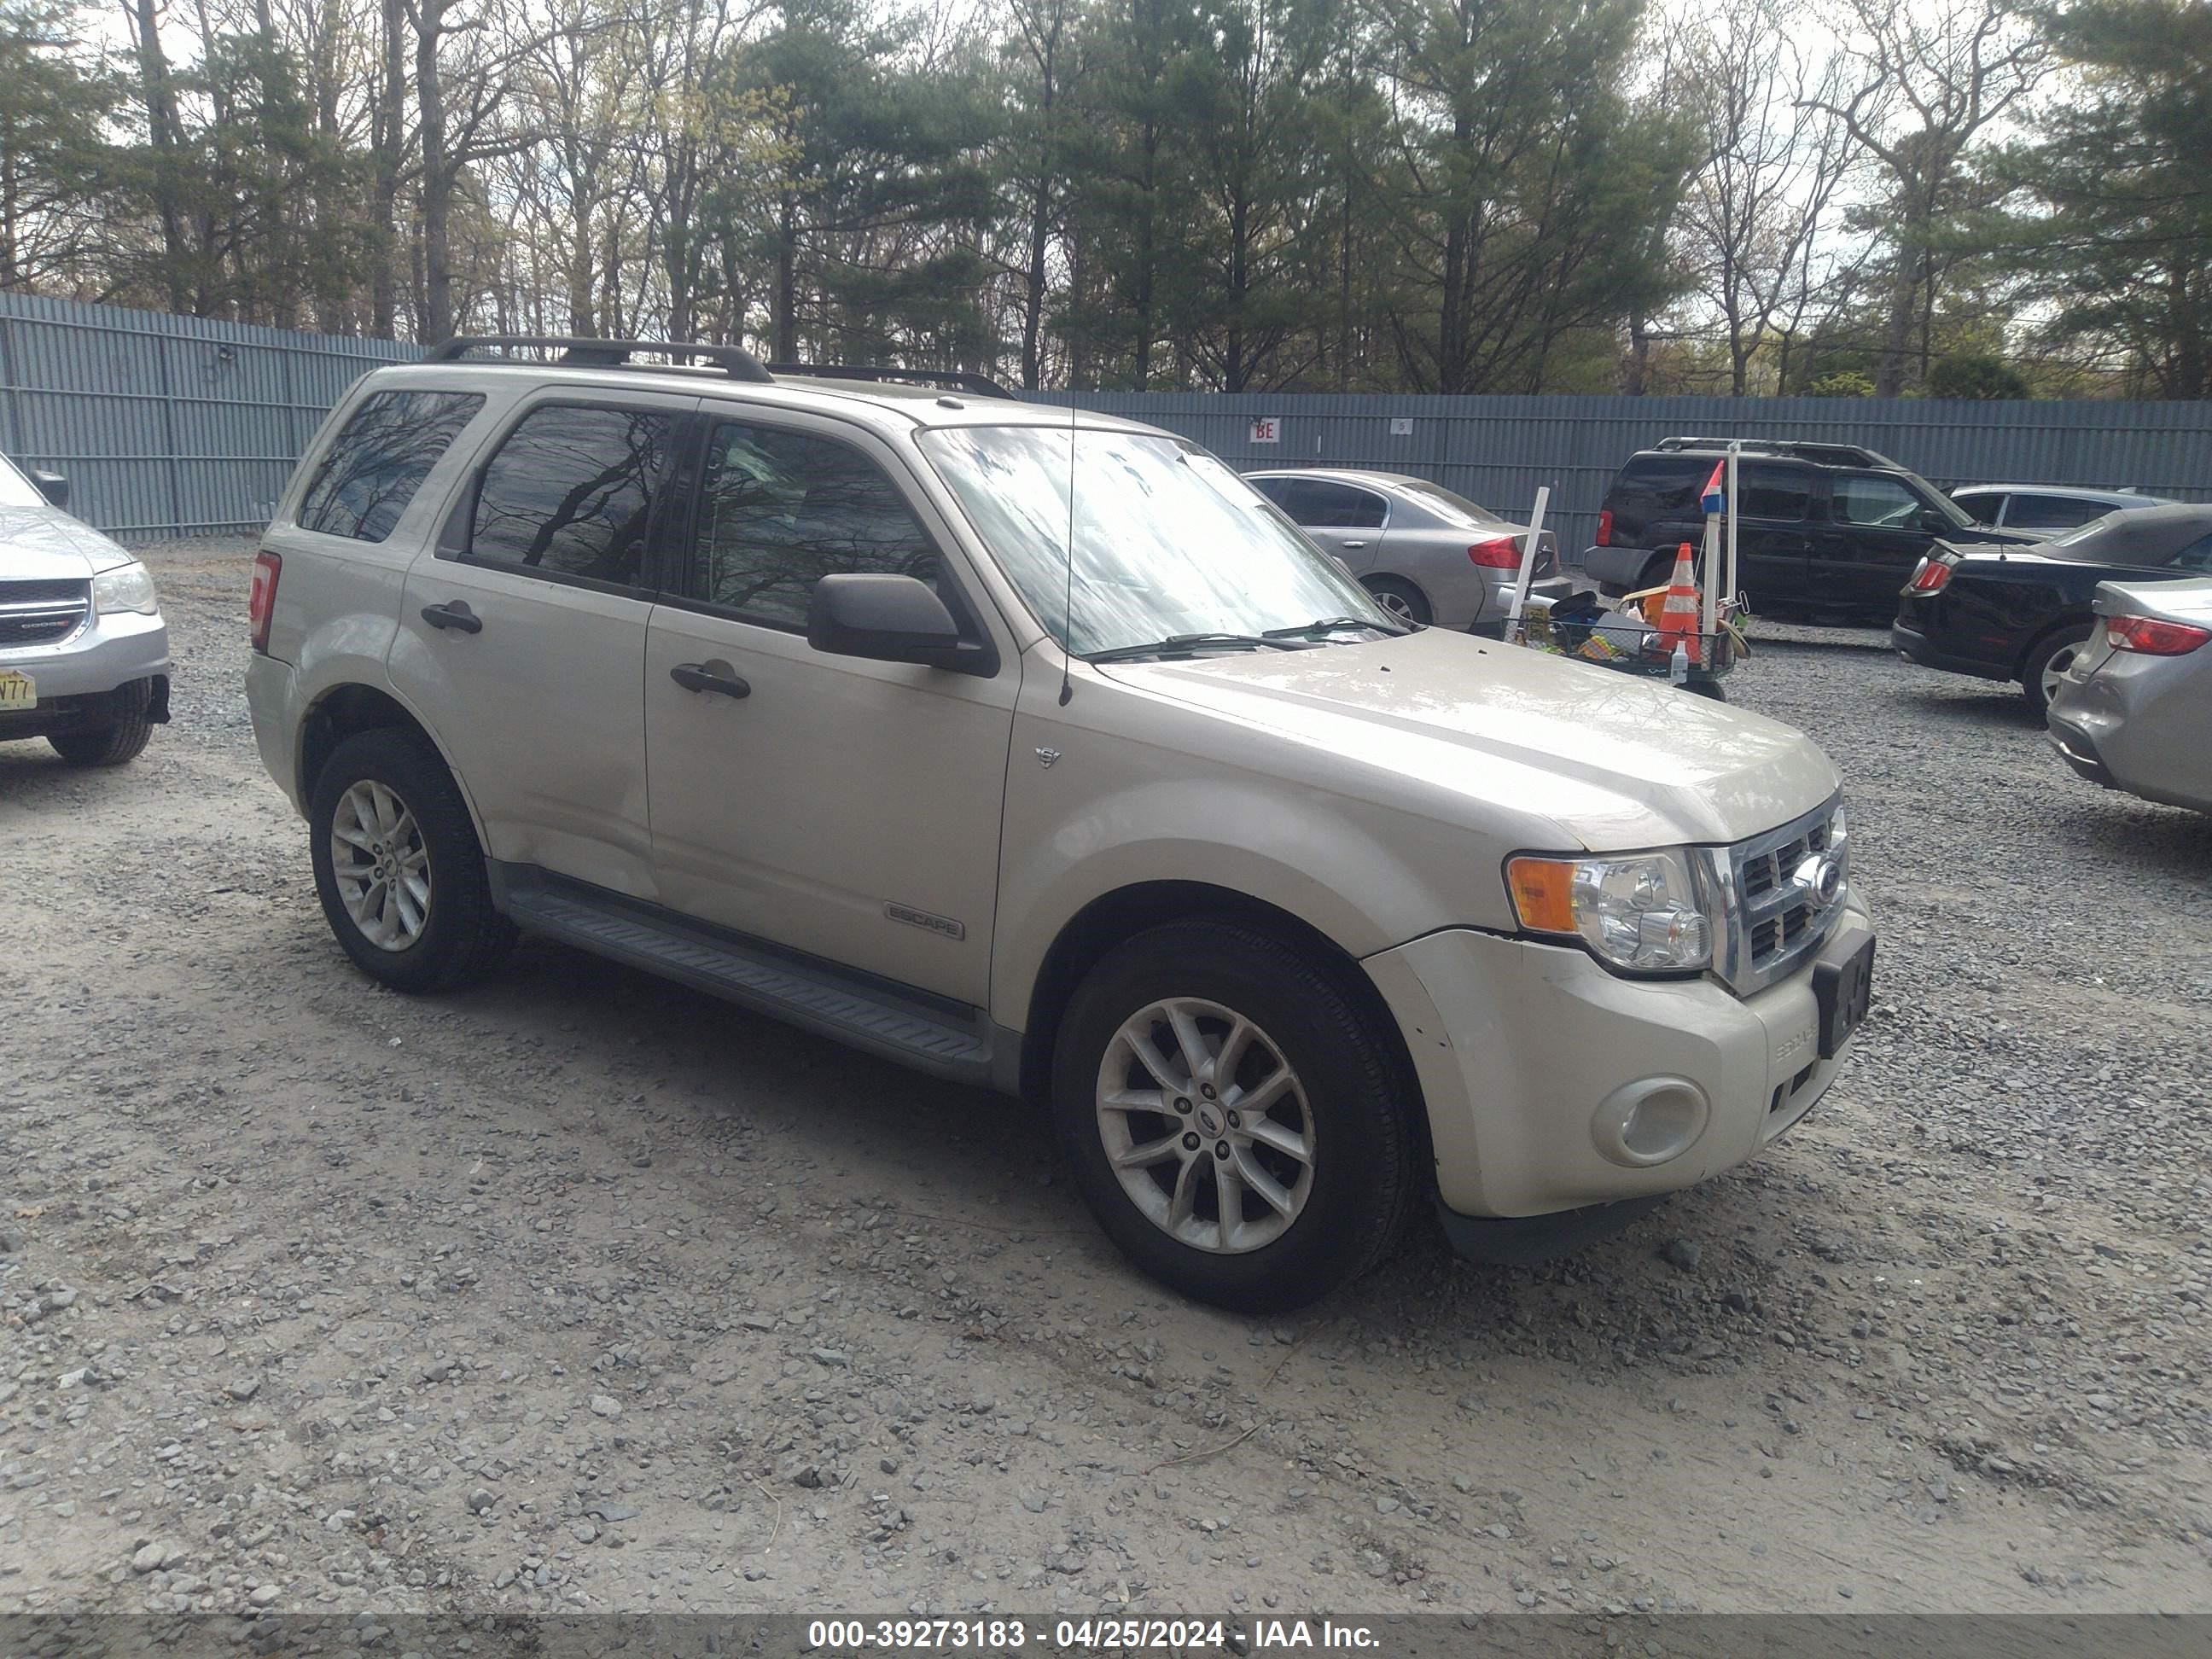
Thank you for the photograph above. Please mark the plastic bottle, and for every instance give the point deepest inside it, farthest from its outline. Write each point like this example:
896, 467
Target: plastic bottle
1678, 665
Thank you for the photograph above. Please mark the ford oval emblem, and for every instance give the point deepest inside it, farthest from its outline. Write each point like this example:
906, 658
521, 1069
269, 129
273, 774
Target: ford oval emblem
1821, 876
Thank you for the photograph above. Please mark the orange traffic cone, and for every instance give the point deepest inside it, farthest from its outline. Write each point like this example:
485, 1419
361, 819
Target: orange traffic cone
1678, 612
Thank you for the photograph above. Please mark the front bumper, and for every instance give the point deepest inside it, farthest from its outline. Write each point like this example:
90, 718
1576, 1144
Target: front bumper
109, 652
1526, 1053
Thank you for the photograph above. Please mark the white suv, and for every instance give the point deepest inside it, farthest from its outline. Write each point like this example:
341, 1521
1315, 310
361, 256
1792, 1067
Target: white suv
1038, 750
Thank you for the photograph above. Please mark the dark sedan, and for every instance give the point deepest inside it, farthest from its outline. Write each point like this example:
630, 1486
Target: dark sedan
2021, 613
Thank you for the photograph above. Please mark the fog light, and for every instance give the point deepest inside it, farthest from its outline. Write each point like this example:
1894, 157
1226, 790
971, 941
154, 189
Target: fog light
1649, 1122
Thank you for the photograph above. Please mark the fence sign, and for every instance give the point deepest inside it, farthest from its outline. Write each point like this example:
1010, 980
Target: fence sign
1401, 426
1267, 429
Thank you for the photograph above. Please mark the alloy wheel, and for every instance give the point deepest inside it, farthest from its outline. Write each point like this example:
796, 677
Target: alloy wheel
1206, 1125
381, 865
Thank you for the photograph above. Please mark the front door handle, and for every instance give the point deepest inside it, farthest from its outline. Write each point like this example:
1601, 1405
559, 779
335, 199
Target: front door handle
454, 613
714, 676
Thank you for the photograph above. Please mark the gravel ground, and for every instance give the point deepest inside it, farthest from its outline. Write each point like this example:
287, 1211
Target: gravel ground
580, 1291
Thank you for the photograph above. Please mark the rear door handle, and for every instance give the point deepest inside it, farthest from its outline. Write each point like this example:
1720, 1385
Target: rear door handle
454, 613
1348, 543
715, 676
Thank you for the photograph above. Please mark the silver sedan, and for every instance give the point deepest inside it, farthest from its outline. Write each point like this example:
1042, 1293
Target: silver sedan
1426, 554
2134, 711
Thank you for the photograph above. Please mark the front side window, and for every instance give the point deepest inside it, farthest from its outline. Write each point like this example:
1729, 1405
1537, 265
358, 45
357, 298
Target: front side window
1981, 505
2198, 556
779, 510
1875, 503
571, 492
379, 458
1167, 540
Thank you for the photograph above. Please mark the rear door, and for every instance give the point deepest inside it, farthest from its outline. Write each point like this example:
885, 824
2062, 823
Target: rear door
522, 633
1874, 536
1349, 522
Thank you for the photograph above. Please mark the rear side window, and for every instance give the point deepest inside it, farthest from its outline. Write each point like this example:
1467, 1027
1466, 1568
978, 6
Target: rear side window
779, 510
379, 458
1322, 504
1774, 492
2052, 512
571, 492
1277, 490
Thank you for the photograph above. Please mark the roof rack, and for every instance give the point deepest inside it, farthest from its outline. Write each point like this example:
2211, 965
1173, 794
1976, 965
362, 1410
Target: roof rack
982, 385
733, 360
1824, 454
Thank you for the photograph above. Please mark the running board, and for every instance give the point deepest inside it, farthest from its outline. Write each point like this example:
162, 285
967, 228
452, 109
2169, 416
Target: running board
932, 1034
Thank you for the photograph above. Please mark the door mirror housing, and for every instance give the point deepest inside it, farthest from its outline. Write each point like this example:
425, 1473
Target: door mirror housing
1930, 519
52, 486
885, 618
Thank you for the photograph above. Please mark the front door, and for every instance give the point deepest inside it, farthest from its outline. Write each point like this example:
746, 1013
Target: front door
845, 808
1876, 535
522, 634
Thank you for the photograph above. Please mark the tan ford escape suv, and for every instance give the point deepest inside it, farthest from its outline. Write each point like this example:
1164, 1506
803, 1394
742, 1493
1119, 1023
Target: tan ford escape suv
1038, 750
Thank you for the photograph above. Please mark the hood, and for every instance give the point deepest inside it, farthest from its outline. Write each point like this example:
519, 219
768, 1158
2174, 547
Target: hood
44, 543
1611, 760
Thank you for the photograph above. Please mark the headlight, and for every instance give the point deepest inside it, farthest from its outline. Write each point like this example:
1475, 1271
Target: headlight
126, 587
1641, 911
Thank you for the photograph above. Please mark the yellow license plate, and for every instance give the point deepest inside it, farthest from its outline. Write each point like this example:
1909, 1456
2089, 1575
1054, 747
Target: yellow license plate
18, 690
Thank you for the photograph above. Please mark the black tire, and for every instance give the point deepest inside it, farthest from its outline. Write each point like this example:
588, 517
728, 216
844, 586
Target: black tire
463, 936
2056, 649
1401, 598
1358, 1117
123, 738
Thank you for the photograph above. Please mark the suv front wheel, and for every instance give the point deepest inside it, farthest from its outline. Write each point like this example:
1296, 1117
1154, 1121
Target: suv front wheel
397, 866
1232, 1117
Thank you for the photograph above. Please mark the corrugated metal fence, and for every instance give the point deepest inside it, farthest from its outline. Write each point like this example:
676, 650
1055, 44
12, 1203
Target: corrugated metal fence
1498, 450
167, 425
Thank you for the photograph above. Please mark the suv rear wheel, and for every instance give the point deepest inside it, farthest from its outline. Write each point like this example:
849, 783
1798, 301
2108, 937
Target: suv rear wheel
1232, 1117
397, 866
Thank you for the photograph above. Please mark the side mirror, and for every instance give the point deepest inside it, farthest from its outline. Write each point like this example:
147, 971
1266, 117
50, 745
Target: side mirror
888, 618
52, 486
1933, 520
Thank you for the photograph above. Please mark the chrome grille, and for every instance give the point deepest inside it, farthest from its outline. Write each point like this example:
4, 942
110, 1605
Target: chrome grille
1773, 918
40, 612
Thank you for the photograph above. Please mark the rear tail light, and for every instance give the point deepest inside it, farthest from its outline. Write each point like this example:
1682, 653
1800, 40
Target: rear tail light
1605, 526
1930, 577
1499, 553
261, 597
2153, 637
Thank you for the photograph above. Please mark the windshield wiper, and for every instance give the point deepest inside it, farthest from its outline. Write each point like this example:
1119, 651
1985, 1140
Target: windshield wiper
1331, 625
1182, 644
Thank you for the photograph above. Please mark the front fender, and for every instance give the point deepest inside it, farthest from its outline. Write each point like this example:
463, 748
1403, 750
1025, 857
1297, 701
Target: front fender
1310, 857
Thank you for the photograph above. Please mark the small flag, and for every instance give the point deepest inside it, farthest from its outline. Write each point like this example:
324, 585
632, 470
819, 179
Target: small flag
1715, 496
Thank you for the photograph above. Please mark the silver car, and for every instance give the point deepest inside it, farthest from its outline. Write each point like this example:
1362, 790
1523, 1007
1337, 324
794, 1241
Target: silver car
2046, 507
2134, 711
1428, 555
84, 655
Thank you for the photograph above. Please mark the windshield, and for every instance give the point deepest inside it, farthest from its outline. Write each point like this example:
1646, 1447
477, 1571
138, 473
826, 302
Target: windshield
1168, 540
1449, 506
16, 489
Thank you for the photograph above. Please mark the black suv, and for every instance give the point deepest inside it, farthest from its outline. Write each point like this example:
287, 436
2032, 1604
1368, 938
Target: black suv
1823, 529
